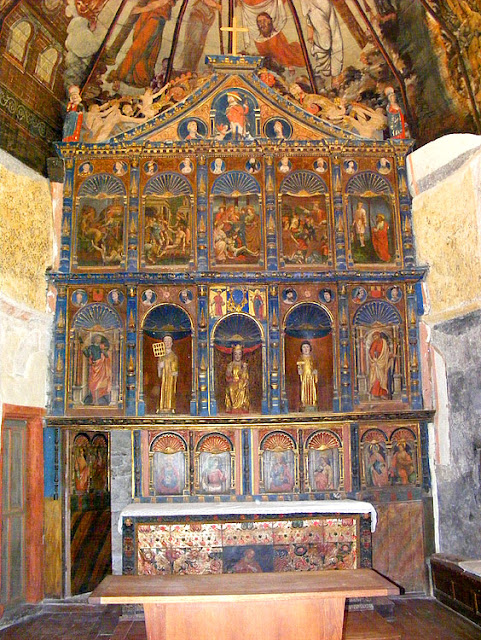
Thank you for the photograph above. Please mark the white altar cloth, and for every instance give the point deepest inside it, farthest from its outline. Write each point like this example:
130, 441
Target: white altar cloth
308, 507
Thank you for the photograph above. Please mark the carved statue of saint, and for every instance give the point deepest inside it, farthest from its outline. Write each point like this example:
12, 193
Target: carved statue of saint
237, 387
307, 371
167, 370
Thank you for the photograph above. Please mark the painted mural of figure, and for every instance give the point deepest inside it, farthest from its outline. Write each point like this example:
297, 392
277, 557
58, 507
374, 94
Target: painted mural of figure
323, 477
137, 68
214, 480
380, 238
74, 118
237, 379
200, 21
280, 478
248, 563
306, 368
380, 365
377, 467
395, 115
324, 36
359, 224
274, 44
168, 371
99, 371
402, 467
81, 471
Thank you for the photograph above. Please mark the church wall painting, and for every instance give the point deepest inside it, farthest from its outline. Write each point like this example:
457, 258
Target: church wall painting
304, 212
167, 221
100, 212
308, 358
236, 221
96, 353
167, 371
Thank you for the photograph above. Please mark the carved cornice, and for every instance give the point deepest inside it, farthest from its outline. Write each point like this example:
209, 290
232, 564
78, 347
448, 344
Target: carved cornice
296, 421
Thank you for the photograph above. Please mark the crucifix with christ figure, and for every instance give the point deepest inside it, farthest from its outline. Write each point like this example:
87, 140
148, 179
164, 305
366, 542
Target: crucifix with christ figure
234, 30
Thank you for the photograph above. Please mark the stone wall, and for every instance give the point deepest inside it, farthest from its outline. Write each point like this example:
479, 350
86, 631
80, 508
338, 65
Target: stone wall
446, 187
25, 254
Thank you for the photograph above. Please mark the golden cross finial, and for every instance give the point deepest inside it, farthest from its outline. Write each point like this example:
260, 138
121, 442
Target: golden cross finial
235, 30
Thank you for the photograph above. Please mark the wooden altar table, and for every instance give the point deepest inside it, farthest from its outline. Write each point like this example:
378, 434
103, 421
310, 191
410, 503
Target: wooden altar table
275, 606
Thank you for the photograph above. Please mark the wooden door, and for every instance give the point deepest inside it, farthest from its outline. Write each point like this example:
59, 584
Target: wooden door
14, 435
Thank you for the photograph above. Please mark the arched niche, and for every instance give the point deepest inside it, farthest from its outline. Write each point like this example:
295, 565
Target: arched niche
308, 323
96, 344
379, 353
168, 464
161, 321
279, 463
239, 384
323, 461
214, 465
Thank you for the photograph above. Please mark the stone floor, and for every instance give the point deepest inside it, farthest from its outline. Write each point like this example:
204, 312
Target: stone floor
414, 618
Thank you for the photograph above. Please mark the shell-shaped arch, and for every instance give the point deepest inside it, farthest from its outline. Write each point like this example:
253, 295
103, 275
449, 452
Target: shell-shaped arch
308, 320
81, 440
102, 185
278, 441
168, 184
374, 435
237, 328
403, 435
379, 312
168, 443
97, 315
323, 440
303, 183
368, 183
235, 183
214, 443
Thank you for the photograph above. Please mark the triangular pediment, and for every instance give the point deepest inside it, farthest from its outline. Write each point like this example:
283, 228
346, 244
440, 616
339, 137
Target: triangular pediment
264, 114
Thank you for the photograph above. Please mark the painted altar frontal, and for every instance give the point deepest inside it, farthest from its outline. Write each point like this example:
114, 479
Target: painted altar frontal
237, 286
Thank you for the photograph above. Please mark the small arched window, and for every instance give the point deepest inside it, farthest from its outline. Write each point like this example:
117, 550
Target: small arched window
20, 35
46, 63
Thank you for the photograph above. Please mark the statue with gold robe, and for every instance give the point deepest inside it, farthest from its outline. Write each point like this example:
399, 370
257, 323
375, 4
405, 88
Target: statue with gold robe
168, 371
308, 375
237, 387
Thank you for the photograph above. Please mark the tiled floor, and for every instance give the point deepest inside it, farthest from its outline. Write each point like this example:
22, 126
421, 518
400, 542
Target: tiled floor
416, 619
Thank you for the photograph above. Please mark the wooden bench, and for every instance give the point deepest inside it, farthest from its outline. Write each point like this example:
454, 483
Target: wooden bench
234, 606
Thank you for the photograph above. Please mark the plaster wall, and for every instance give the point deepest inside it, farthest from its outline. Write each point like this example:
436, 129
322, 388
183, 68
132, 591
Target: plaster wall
120, 488
25, 254
447, 226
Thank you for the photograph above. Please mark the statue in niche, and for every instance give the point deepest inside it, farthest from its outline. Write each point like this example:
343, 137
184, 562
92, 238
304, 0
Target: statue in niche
99, 371
381, 363
167, 370
237, 383
308, 375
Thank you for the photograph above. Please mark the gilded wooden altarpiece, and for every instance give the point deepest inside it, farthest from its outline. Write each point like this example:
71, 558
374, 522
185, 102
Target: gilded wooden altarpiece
237, 286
